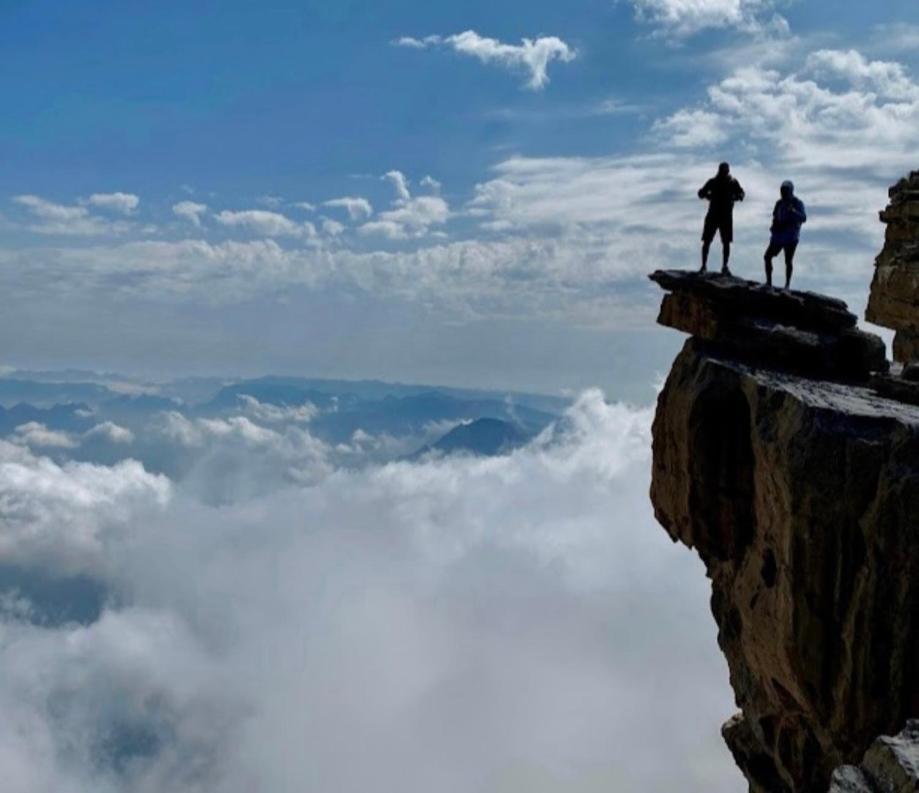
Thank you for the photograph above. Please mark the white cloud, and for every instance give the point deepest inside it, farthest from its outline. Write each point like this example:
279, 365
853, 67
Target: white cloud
63, 219
279, 414
357, 208
332, 227
410, 217
418, 44
270, 201
268, 224
686, 17
568, 237
887, 79
122, 203
413, 217
400, 184
431, 184
692, 128
231, 459
530, 56
524, 611
38, 435
62, 515
855, 114
896, 37
190, 211
111, 432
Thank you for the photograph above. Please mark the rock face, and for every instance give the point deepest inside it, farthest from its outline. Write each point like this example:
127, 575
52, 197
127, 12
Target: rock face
795, 475
891, 765
894, 301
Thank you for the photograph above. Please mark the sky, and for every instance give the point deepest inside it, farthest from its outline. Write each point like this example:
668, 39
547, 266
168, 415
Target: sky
467, 194
461, 194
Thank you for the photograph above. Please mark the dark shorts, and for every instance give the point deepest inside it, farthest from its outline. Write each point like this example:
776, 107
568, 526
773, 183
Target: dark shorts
720, 223
775, 248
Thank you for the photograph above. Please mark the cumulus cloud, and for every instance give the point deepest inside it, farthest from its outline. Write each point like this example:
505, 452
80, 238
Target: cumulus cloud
122, 203
279, 413
34, 433
111, 432
410, 217
686, 17
190, 211
60, 515
692, 128
459, 624
431, 184
265, 223
332, 227
531, 56
356, 207
400, 184
235, 458
413, 217
840, 111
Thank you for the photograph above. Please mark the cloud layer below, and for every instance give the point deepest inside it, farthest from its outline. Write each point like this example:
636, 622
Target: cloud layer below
467, 623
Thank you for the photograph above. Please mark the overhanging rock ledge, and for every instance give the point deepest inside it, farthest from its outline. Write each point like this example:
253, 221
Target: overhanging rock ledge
782, 456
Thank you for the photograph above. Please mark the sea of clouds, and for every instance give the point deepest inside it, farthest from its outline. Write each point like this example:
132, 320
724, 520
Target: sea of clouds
282, 621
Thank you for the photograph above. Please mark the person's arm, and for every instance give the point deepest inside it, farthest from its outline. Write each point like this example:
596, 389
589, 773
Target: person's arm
799, 210
739, 194
706, 190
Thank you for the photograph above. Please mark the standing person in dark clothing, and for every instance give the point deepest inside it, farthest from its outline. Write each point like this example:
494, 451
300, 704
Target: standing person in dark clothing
721, 191
787, 218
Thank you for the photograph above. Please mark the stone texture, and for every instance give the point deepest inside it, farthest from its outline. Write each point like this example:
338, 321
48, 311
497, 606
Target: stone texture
904, 389
894, 298
802, 498
797, 331
749, 298
849, 779
891, 765
906, 346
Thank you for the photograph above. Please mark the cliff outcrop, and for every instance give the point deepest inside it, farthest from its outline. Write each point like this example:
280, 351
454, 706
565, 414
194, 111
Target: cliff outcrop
788, 457
894, 299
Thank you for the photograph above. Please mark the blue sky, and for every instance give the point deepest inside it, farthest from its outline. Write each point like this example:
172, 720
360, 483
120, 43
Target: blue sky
169, 167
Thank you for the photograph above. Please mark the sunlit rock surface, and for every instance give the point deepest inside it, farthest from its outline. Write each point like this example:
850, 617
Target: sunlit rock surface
796, 478
894, 299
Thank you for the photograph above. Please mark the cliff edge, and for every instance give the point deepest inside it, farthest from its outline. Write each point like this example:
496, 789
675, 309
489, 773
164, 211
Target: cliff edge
787, 455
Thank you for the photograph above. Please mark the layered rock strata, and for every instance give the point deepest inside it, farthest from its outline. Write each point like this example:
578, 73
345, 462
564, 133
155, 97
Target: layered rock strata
894, 300
797, 481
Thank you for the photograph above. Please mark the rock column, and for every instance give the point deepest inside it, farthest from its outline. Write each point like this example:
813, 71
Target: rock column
894, 300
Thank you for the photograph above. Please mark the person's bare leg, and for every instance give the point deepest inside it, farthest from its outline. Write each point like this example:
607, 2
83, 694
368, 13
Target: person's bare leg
789, 265
768, 261
726, 255
705, 247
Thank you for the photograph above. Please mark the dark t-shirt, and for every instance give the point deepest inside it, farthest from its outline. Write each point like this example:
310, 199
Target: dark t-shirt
721, 192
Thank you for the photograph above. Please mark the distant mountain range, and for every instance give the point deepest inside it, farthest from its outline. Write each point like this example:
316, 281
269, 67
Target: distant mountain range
485, 437
478, 422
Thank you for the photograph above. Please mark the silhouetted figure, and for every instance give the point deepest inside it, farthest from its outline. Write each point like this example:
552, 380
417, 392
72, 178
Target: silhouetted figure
787, 218
721, 191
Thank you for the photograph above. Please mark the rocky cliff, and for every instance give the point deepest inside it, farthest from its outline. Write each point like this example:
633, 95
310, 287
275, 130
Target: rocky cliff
788, 457
894, 300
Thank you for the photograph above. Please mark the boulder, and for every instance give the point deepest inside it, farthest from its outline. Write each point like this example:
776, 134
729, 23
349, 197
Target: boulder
891, 765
